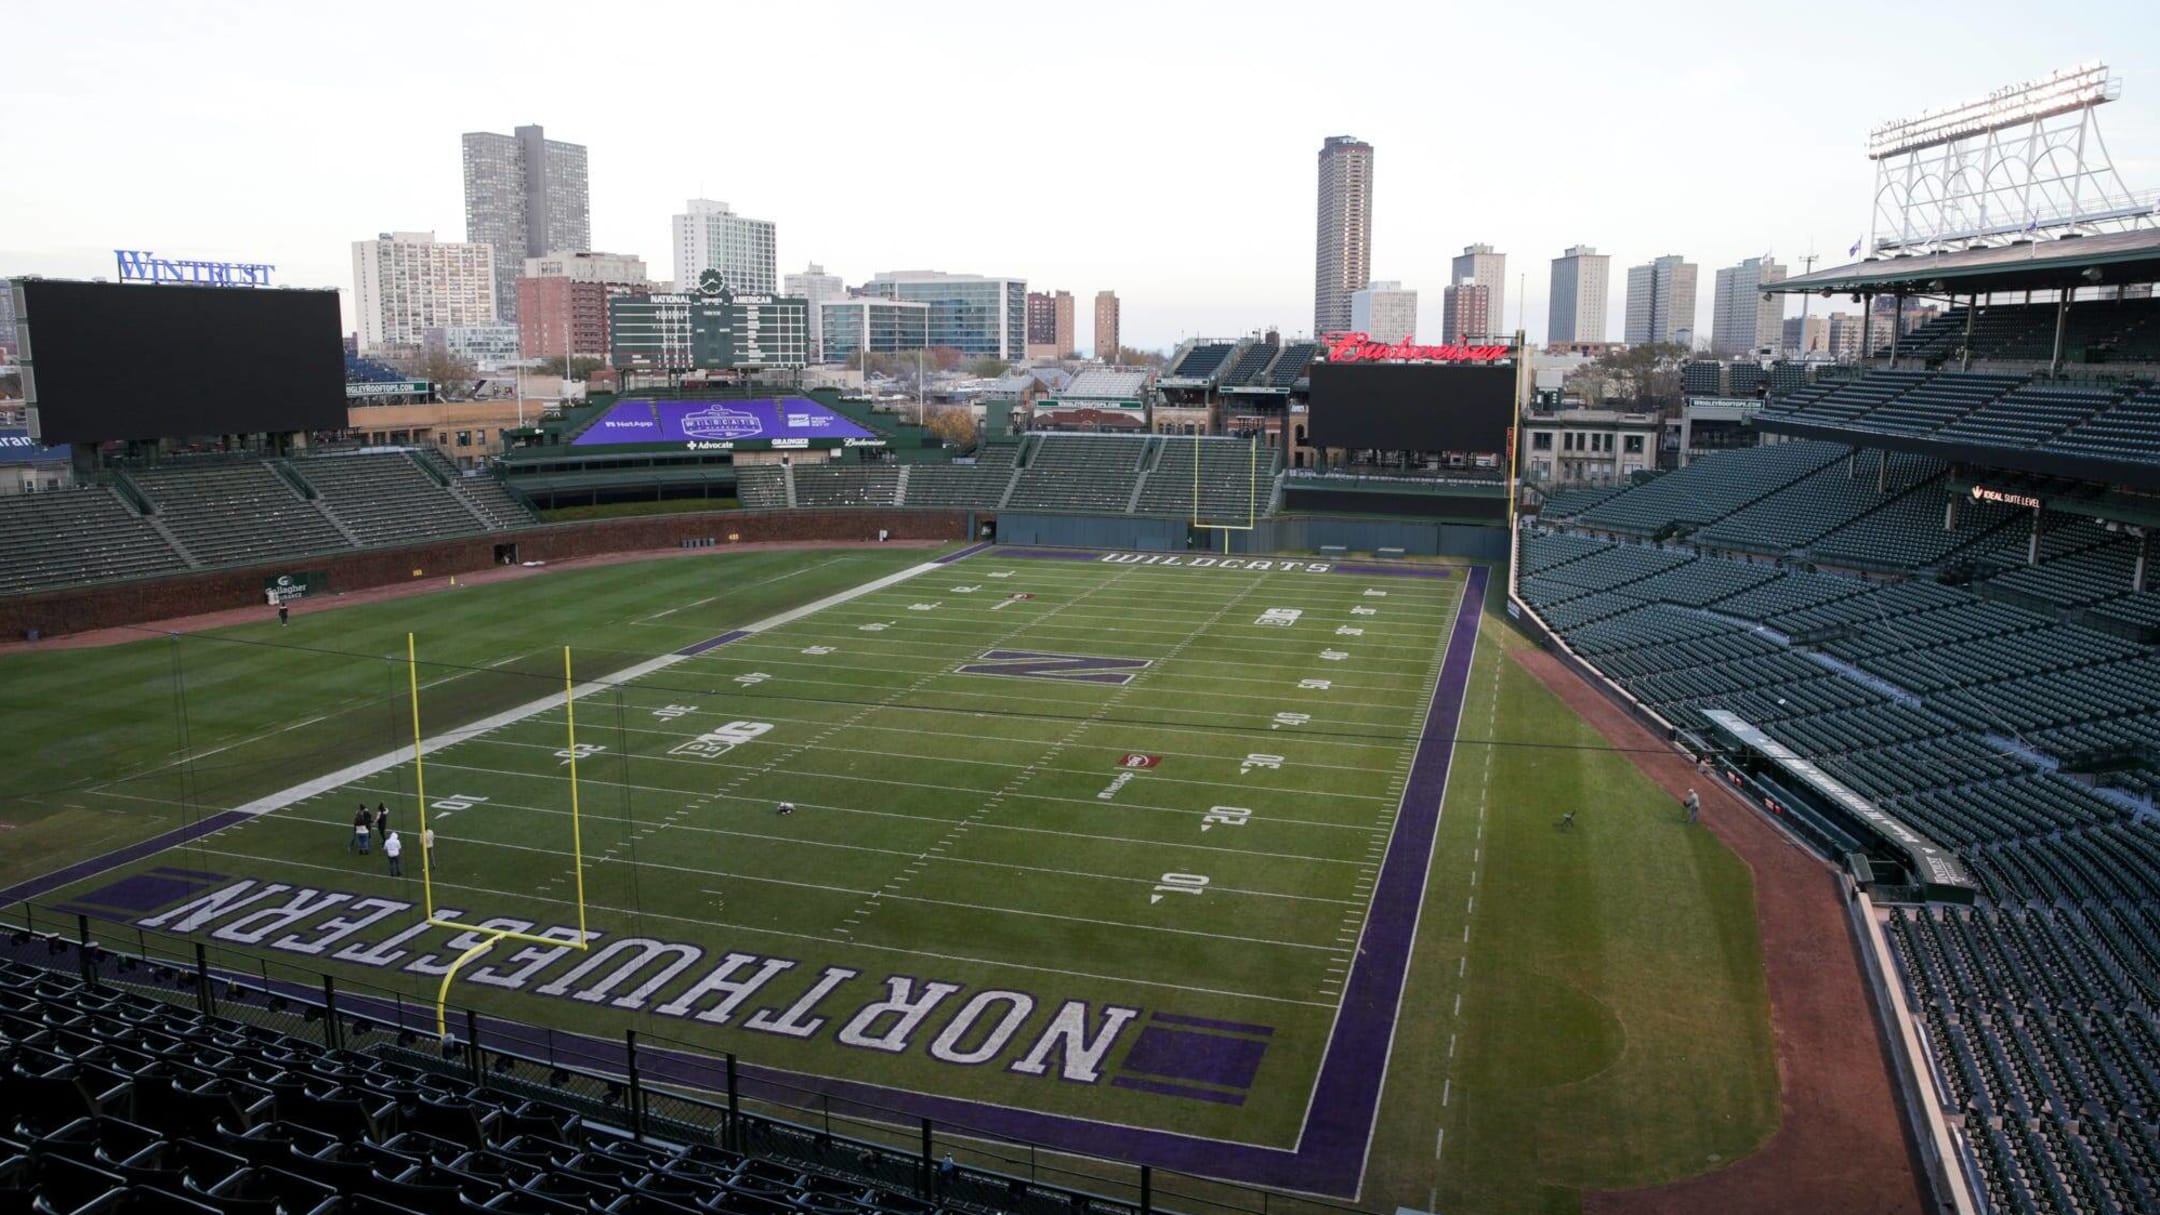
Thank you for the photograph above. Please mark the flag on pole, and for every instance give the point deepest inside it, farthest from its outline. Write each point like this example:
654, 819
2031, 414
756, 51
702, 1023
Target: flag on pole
1855, 250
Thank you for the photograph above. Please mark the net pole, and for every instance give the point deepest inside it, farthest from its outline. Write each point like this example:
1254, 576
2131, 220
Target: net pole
577, 840
427, 877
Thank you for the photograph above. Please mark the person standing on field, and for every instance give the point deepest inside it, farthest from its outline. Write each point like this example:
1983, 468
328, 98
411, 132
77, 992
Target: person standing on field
1694, 807
360, 822
394, 848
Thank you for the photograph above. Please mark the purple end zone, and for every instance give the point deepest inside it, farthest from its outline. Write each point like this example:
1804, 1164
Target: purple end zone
1330, 1155
1228, 1027
38, 887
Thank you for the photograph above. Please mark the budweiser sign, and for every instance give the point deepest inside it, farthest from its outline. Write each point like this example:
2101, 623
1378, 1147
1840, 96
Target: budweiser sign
1358, 348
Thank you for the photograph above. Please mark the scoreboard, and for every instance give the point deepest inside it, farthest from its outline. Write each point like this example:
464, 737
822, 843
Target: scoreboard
708, 332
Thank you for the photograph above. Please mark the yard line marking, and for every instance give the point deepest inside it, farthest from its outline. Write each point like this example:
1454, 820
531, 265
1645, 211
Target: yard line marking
804, 936
1458, 1004
1447, 1089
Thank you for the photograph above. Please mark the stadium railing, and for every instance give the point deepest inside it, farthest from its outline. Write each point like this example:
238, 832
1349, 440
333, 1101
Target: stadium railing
713, 1098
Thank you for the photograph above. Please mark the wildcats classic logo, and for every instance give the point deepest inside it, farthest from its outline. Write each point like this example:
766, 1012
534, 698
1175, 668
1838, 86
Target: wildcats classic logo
1067, 668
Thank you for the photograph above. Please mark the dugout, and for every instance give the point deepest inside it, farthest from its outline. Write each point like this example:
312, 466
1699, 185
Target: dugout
1889, 859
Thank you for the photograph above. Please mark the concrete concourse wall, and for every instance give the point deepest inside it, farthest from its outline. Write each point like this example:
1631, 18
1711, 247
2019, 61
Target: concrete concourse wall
106, 605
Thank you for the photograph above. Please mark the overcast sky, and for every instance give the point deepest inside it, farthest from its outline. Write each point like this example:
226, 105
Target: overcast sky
1163, 150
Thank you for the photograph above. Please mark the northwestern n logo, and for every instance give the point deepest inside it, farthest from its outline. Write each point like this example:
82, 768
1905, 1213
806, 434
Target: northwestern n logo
1069, 668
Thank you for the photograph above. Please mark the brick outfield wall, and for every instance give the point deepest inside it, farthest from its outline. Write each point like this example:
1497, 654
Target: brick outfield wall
108, 605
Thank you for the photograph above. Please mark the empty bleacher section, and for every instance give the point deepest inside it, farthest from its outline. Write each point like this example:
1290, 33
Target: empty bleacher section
847, 484
74, 536
1292, 365
493, 502
761, 486
1235, 479
2095, 331
2126, 430
1199, 360
1076, 472
1709, 489
225, 514
1988, 716
1823, 501
1700, 379
384, 498
980, 485
126, 1090
1250, 366
207, 513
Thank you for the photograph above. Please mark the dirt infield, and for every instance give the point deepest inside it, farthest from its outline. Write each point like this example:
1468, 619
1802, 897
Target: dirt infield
1841, 1144
418, 586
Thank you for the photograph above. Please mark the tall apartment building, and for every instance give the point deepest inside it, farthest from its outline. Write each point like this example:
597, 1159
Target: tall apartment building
1661, 301
1384, 312
1342, 256
974, 314
1806, 336
406, 283
1579, 285
525, 195
816, 286
1463, 309
1106, 326
1741, 320
1480, 265
9, 350
1050, 325
710, 236
562, 306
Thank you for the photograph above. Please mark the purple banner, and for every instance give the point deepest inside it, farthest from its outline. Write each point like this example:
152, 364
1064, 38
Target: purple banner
788, 421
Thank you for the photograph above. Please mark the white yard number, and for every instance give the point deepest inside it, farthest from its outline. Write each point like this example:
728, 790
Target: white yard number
1290, 719
818, 651
1002, 574
1362, 610
752, 678
1346, 630
967, 590
1228, 816
456, 802
1315, 685
873, 627
671, 712
1373, 594
1178, 883
923, 607
1334, 655
583, 751
1257, 760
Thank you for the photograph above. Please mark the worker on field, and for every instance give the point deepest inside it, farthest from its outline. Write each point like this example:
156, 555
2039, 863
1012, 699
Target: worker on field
360, 824
382, 820
1567, 821
1694, 807
394, 848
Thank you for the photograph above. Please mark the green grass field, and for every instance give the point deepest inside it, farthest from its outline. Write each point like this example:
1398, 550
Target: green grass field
975, 897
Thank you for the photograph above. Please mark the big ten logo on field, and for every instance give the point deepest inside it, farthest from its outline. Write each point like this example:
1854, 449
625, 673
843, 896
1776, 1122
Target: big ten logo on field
1139, 761
1281, 617
718, 742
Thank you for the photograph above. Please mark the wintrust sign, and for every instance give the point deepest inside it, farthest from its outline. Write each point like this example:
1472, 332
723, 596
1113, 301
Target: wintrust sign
143, 266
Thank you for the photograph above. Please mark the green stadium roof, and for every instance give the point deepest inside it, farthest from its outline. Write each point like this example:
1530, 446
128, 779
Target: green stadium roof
2108, 259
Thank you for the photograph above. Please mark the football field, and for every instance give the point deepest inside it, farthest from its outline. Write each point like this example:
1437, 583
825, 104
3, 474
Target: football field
1246, 869
1100, 846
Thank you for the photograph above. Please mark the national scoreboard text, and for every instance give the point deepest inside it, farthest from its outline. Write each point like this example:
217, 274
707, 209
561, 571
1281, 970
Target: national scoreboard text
707, 332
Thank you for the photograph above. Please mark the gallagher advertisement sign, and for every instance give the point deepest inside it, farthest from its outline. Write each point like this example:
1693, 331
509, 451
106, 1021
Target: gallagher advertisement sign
788, 422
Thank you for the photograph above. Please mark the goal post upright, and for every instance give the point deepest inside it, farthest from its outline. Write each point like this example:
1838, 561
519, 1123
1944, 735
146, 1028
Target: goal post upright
491, 937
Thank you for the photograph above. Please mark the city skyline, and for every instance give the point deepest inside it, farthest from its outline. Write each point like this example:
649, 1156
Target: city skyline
1188, 263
